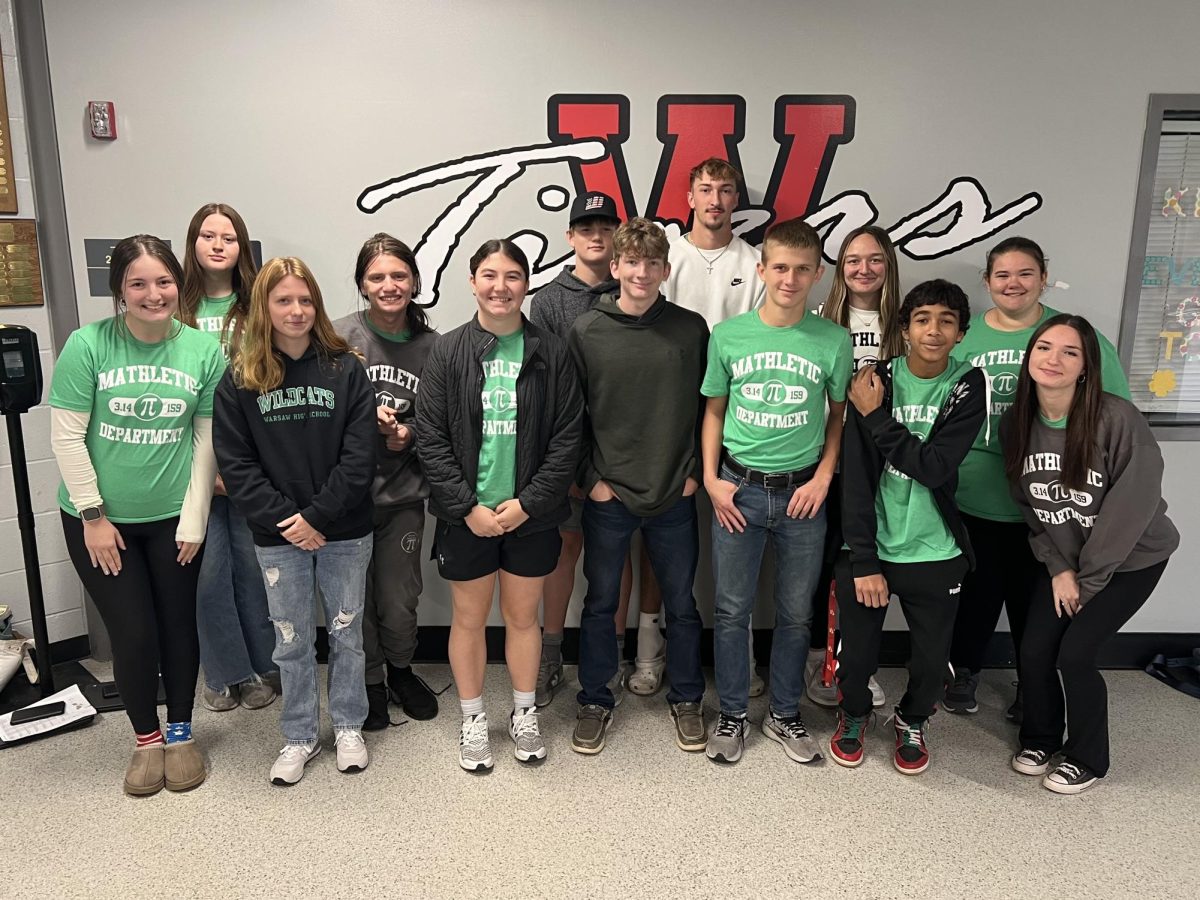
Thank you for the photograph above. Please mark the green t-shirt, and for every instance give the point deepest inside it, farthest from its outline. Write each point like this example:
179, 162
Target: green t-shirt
496, 480
982, 485
397, 337
141, 398
210, 317
910, 528
776, 380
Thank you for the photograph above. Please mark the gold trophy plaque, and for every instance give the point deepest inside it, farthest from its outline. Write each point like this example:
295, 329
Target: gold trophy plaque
20, 269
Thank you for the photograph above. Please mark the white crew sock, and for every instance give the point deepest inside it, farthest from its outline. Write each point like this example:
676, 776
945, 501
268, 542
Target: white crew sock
471, 707
650, 638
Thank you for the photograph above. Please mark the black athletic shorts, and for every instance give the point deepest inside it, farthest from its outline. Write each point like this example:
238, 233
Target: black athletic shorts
463, 556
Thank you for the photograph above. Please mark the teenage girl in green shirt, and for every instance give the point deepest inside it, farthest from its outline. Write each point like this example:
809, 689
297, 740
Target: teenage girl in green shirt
1005, 570
131, 426
236, 637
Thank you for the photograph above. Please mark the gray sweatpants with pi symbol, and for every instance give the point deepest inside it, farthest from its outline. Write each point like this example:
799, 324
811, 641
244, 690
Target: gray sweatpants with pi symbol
393, 589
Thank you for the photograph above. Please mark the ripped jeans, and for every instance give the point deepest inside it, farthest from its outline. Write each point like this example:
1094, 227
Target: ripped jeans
295, 579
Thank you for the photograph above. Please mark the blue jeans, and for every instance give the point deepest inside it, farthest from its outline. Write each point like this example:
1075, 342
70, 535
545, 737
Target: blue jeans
799, 544
295, 578
673, 547
236, 637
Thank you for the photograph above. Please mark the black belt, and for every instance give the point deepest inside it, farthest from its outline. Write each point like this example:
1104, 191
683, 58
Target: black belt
769, 479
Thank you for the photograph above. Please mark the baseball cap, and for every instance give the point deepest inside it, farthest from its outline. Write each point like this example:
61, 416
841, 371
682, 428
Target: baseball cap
593, 205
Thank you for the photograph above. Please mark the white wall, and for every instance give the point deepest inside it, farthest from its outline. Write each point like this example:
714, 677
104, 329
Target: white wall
60, 586
290, 110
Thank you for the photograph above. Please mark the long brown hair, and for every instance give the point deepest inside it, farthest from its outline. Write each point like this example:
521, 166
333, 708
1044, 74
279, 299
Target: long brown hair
126, 252
257, 365
1083, 418
193, 273
837, 306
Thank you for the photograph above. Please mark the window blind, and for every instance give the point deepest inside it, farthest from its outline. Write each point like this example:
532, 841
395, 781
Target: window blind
1164, 368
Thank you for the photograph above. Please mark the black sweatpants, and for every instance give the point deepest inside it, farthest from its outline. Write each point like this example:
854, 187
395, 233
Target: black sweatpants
928, 594
1071, 645
1004, 576
149, 610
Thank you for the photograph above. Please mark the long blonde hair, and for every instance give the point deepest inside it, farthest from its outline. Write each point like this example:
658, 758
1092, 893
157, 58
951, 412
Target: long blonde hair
257, 365
837, 306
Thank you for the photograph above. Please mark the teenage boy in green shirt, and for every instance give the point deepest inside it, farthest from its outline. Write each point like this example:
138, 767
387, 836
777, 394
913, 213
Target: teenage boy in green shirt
769, 455
911, 422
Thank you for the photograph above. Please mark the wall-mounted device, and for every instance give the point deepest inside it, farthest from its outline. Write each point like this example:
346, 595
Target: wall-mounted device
20, 370
102, 120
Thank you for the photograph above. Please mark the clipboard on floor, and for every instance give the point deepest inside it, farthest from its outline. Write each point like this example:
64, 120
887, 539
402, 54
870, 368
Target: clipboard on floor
78, 714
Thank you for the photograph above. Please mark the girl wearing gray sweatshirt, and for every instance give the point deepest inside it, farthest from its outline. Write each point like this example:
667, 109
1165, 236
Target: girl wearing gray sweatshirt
1086, 472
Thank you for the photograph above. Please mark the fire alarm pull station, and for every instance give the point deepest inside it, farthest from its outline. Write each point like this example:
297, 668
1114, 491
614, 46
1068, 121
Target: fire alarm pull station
102, 117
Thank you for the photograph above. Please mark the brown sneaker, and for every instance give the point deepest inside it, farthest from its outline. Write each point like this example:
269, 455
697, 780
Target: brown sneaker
145, 773
689, 726
222, 700
183, 766
256, 693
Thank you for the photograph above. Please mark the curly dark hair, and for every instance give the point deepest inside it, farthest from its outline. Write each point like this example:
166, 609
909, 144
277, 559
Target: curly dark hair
937, 292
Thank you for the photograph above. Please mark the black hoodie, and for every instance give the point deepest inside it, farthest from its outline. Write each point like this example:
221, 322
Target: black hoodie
641, 384
306, 447
871, 439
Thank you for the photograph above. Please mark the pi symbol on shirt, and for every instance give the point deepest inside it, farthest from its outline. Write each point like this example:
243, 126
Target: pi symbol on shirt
775, 393
1057, 492
1004, 383
499, 399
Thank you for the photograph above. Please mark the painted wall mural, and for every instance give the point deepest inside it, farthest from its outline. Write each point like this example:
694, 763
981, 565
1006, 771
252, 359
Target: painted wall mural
587, 134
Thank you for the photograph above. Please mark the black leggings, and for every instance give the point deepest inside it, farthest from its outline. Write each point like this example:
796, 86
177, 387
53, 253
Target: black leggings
1070, 645
1005, 573
928, 594
149, 610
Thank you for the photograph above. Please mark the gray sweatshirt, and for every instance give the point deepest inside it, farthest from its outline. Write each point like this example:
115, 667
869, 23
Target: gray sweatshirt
641, 388
394, 368
558, 304
1118, 521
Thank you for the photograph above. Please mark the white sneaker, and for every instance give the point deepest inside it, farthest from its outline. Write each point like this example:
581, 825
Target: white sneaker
289, 767
351, 751
527, 737
757, 685
647, 676
474, 751
877, 696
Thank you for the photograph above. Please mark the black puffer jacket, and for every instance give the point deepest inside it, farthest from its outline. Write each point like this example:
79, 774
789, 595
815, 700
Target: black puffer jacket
549, 422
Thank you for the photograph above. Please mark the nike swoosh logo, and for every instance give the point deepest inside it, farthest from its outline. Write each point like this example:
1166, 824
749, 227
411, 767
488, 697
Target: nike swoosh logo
736, 282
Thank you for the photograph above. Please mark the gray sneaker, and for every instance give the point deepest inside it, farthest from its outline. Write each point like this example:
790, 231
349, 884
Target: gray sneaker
616, 684
474, 750
690, 733
221, 701
550, 676
527, 737
791, 734
591, 727
728, 739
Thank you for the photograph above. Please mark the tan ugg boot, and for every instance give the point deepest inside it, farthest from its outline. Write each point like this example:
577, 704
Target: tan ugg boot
184, 766
145, 773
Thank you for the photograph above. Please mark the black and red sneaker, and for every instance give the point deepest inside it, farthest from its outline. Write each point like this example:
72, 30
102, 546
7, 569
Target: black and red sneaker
846, 745
911, 756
